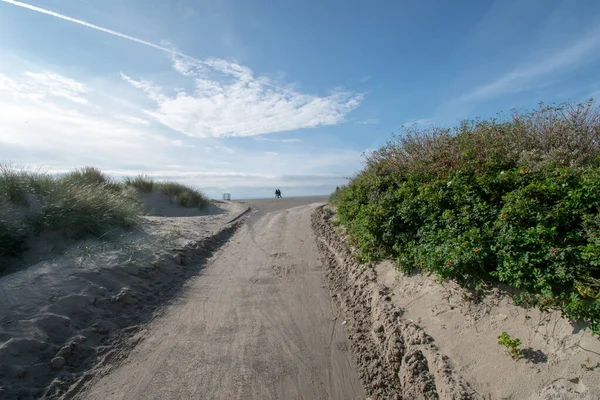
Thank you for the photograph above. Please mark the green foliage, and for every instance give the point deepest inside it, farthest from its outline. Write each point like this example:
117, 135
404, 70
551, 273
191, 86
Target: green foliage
490, 201
511, 345
336, 196
183, 195
142, 183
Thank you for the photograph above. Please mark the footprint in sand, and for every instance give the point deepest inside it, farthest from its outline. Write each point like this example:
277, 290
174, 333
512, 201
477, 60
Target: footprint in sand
279, 255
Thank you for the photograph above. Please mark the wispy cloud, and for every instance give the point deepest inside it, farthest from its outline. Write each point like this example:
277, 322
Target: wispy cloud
182, 62
240, 105
181, 143
529, 76
43, 118
365, 78
44, 114
44, 86
132, 120
229, 100
96, 27
265, 139
368, 121
418, 122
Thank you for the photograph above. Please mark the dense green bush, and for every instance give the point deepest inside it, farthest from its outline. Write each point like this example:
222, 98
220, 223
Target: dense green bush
336, 196
515, 201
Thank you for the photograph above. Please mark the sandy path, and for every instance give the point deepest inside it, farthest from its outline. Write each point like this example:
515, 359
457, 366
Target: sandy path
258, 323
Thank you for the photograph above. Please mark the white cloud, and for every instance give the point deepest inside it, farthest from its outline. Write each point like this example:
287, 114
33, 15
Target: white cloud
152, 91
41, 126
243, 105
528, 76
46, 114
368, 121
181, 143
132, 120
265, 139
228, 100
43, 86
186, 66
183, 68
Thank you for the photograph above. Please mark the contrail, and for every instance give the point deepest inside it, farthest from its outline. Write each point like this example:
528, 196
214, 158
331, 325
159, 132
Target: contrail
99, 28
121, 35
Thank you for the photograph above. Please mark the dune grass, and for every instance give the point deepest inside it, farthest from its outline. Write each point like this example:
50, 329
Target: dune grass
142, 183
16, 183
81, 209
11, 234
92, 176
183, 195
82, 203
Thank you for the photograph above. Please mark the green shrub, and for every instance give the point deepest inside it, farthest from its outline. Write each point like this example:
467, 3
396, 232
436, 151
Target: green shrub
548, 240
336, 196
511, 345
498, 200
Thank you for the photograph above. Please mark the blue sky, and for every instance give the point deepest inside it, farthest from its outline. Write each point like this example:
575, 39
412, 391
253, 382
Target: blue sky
246, 96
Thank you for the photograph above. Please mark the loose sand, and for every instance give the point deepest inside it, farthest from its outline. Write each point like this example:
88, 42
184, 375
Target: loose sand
434, 340
257, 323
206, 307
68, 316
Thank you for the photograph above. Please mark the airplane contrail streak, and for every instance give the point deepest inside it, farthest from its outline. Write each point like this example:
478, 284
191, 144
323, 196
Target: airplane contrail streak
122, 35
99, 28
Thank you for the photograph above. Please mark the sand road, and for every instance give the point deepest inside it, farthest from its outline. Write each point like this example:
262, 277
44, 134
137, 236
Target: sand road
257, 323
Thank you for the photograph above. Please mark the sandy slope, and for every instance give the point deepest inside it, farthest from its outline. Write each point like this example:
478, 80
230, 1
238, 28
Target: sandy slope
257, 323
392, 317
75, 311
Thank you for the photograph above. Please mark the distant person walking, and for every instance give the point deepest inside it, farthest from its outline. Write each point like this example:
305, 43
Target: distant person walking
277, 193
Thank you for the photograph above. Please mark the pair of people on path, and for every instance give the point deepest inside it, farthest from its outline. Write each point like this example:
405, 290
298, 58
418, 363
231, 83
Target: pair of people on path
277, 194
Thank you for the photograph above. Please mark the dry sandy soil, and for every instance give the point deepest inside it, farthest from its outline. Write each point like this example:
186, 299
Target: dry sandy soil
65, 316
257, 323
428, 339
262, 308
